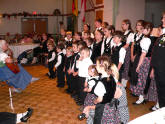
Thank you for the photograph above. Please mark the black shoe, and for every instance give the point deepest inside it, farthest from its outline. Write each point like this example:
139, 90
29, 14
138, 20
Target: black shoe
133, 95
81, 116
68, 91
27, 116
143, 102
61, 86
47, 74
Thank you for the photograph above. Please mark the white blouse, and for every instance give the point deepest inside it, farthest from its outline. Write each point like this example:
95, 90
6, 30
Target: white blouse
130, 37
83, 67
145, 44
100, 89
3, 57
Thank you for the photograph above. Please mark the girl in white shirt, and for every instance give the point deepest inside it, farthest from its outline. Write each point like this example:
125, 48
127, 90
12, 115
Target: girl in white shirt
107, 43
143, 56
128, 39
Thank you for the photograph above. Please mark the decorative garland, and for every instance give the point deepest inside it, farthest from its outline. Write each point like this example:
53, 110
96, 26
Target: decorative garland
56, 12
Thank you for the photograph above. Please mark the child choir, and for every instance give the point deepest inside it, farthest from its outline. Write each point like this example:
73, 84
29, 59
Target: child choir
97, 68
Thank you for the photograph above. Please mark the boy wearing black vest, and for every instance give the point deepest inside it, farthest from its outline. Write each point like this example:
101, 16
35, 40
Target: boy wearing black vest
59, 66
51, 60
118, 52
68, 60
73, 71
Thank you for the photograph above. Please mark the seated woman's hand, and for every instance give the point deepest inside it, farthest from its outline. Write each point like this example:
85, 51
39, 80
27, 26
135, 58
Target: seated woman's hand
9, 60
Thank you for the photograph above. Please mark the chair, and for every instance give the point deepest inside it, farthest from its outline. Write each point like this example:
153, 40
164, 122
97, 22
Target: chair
10, 94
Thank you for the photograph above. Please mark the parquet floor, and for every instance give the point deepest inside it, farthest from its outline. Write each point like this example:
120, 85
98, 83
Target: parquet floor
52, 105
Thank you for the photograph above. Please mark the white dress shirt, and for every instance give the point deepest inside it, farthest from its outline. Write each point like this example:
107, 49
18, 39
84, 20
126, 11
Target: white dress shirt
91, 82
53, 57
122, 53
138, 36
130, 37
107, 40
100, 89
145, 44
59, 59
3, 57
83, 67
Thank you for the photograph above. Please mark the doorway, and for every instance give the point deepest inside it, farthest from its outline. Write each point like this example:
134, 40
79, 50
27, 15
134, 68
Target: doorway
37, 25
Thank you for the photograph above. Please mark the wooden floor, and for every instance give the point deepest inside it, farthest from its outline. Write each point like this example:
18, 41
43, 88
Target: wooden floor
52, 105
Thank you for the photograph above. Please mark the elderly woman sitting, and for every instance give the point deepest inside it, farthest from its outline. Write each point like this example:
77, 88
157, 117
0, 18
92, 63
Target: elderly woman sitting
20, 79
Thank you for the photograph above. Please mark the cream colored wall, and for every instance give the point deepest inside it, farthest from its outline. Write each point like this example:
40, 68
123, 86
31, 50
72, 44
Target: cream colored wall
40, 6
130, 9
108, 11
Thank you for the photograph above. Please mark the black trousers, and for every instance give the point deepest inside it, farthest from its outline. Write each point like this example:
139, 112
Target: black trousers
68, 80
74, 84
160, 84
98, 113
7, 118
81, 93
60, 77
51, 69
37, 51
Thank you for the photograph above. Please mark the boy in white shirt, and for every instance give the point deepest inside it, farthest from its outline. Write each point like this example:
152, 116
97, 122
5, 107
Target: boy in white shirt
82, 64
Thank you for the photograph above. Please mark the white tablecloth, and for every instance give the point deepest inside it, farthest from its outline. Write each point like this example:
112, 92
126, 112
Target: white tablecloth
19, 48
156, 117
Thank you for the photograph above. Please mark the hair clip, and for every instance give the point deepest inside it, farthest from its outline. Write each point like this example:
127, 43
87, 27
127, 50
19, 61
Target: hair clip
93, 70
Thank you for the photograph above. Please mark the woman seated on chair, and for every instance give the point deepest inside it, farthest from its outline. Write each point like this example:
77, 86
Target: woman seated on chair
15, 74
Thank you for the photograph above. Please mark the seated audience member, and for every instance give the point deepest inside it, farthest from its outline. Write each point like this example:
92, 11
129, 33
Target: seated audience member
13, 118
17, 76
42, 49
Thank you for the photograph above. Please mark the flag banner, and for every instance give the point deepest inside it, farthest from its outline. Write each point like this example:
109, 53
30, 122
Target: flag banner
75, 7
83, 9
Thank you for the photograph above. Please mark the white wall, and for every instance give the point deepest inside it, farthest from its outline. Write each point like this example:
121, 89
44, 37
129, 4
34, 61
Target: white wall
15, 6
130, 9
108, 11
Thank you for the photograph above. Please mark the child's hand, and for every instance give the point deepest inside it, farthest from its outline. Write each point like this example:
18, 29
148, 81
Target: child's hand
75, 73
118, 93
86, 111
81, 58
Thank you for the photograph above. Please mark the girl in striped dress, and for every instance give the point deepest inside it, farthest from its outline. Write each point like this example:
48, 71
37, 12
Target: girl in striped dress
143, 57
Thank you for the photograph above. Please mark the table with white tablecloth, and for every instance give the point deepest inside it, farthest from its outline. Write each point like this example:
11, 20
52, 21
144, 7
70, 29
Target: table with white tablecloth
19, 48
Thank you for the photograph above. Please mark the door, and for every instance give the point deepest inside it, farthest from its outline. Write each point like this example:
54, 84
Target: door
37, 25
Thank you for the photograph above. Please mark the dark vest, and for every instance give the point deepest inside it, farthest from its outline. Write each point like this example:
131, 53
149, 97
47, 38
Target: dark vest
61, 66
107, 47
96, 82
50, 54
115, 54
137, 48
76, 56
125, 37
68, 43
158, 58
68, 61
110, 87
96, 52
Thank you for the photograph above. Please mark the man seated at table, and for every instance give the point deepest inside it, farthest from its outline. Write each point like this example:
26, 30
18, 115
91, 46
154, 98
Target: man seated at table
17, 77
